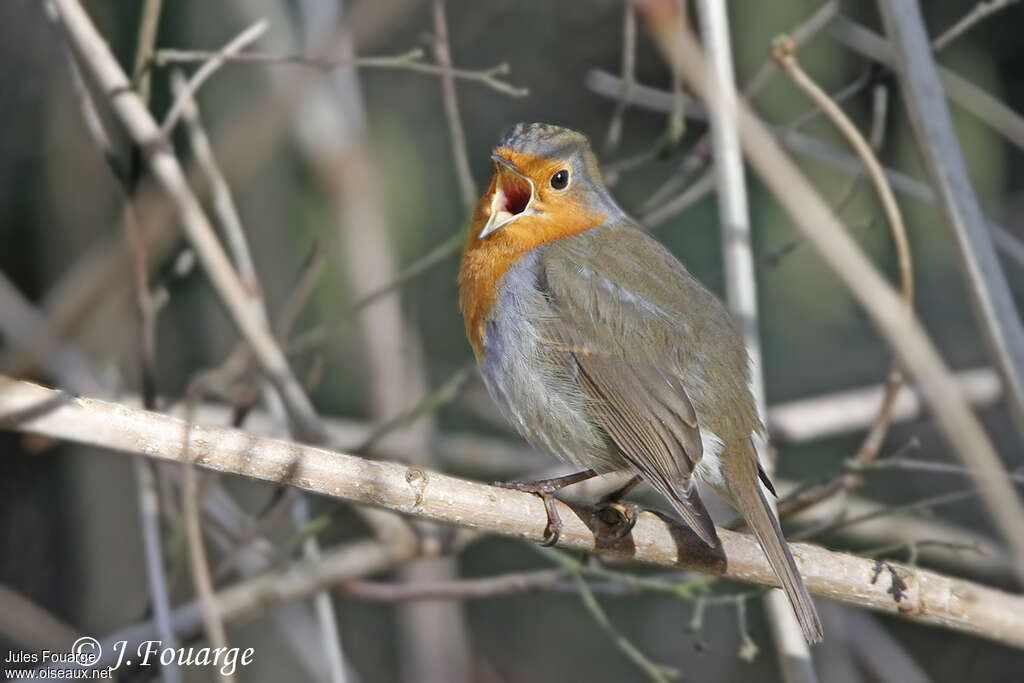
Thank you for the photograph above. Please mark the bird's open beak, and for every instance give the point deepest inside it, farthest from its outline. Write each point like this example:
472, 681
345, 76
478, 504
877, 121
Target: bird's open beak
513, 194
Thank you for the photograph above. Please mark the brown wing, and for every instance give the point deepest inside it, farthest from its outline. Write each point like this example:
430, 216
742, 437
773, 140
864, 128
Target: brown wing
630, 316
647, 415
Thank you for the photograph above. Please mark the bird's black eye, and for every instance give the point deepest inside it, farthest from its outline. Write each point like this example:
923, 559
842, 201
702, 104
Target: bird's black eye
560, 180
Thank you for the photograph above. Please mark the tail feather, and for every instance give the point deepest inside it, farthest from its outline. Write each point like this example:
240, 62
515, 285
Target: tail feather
763, 521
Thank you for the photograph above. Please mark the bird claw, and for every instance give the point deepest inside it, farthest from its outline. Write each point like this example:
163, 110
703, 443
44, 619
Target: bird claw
545, 490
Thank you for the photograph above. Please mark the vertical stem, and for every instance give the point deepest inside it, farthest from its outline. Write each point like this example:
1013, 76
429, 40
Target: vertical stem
442, 51
741, 284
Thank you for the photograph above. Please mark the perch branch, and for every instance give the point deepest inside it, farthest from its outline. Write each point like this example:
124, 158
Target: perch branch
929, 597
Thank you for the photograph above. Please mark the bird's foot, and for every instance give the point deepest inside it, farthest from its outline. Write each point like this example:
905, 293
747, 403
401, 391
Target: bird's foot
618, 518
545, 489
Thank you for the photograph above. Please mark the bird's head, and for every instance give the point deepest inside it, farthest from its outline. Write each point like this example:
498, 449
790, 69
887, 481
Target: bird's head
545, 185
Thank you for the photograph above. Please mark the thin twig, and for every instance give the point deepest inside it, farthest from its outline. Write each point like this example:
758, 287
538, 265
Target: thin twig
148, 306
654, 671
445, 393
512, 583
210, 66
442, 52
614, 135
148, 25
201, 577
981, 11
410, 61
994, 112
223, 202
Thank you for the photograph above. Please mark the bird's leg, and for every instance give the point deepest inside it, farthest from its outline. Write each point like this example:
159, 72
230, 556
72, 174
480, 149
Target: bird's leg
546, 488
626, 512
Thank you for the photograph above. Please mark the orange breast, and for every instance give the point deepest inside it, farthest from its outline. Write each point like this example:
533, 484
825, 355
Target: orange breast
485, 261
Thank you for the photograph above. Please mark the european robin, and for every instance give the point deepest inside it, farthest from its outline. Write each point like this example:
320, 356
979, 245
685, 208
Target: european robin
598, 345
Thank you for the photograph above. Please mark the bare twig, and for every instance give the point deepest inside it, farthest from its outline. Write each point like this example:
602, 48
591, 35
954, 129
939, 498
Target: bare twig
148, 306
981, 11
931, 598
614, 135
965, 93
891, 316
442, 52
213, 619
148, 25
654, 671
210, 67
223, 202
409, 61
458, 589
446, 392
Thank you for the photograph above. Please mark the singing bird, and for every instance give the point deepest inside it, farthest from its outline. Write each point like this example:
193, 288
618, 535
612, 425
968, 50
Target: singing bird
599, 346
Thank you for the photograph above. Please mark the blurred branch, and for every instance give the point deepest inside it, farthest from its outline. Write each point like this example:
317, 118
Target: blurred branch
206, 71
252, 597
994, 308
165, 168
606, 84
793, 651
148, 308
929, 598
213, 619
614, 135
223, 203
891, 316
409, 61
981, 11
654, 671
148, 25
700, 152
442, 52
31, 627
458, 589
989, 109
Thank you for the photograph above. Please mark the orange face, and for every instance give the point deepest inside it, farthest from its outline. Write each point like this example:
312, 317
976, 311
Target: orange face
531, 200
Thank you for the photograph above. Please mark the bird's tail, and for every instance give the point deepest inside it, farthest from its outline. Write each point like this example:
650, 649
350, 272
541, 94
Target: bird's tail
761, 518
